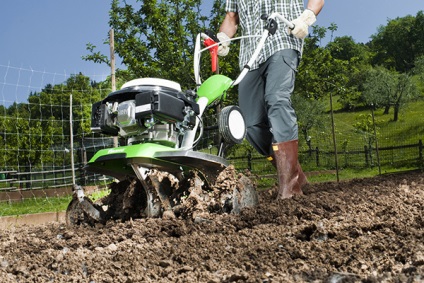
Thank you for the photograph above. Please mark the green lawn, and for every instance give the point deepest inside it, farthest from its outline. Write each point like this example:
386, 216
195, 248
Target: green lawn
409, 129
34, 205
40, 205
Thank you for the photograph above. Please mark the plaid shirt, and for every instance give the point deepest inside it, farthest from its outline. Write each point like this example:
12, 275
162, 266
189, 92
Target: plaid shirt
249, 12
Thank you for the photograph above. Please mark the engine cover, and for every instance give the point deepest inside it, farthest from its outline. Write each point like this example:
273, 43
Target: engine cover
159, 105
101, 120
146, 109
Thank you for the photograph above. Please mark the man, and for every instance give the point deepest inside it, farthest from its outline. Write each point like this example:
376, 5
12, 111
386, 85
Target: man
265, 92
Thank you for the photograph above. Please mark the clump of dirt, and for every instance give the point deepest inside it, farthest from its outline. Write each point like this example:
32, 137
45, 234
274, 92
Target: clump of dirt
363, 230
191, 197
125, 201
231, 192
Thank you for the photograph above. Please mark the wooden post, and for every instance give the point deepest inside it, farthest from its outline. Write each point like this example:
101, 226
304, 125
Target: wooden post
249, 161
334, 136
112, 59
376, 140
112, 70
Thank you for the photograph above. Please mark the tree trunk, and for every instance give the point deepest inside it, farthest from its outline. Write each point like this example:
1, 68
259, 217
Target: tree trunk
396, 113
386, 110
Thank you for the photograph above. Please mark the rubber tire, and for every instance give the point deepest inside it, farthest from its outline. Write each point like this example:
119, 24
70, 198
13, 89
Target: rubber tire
225, 124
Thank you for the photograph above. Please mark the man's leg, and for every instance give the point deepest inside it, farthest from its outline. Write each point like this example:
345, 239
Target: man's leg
280, 76
252, 104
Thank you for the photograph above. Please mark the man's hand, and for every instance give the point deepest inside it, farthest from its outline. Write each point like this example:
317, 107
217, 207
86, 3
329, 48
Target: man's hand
224, 46
302, 23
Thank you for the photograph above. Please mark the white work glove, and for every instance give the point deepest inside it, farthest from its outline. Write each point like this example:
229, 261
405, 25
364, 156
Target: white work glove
302, 23
224, 47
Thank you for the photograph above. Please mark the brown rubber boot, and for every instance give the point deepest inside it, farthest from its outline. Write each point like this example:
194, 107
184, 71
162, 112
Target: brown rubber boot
303, 180
288, 169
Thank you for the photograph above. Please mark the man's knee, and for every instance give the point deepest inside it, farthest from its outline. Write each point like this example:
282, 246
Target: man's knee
260, 138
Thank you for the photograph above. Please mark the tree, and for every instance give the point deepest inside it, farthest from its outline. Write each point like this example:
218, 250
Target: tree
399, 43
378, 88
156, 38
53, 101
33, 133
384, 88
26, 141
365, 127
320, 73
357, 57
419, 67
345, 48
419, 73
310, 113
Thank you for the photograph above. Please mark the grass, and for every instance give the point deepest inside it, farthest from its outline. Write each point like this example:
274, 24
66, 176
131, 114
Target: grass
40, 205
34, 205
330, 176
407, 130
351, 142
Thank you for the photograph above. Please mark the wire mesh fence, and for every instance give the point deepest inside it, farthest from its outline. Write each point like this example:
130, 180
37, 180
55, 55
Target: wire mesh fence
393, 147
35, 140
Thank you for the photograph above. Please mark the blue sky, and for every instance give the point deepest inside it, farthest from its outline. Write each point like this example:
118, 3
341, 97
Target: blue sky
48, 37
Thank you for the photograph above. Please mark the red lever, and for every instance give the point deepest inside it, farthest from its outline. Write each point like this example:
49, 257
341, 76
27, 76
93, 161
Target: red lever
214, 53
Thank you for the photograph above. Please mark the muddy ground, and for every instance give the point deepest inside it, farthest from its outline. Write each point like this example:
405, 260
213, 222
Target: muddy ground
364, 230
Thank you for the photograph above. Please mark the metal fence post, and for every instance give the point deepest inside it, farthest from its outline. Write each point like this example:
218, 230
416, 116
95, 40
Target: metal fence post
249, 161
317, 155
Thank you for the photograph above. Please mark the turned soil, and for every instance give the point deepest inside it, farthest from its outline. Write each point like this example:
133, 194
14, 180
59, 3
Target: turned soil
363, 230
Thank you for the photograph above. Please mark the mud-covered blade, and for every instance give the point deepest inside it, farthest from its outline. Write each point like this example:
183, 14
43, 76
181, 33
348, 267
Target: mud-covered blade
209, 165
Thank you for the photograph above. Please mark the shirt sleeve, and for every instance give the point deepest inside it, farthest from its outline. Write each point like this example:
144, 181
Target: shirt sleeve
231, 6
